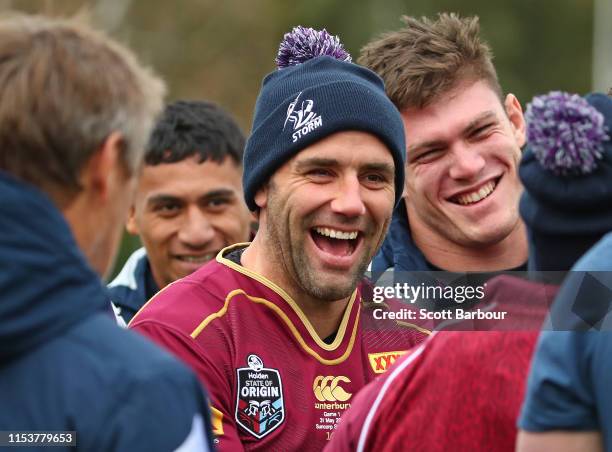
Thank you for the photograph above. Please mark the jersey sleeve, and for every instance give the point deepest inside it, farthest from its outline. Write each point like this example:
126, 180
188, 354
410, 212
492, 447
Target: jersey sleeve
559, 389
211, 369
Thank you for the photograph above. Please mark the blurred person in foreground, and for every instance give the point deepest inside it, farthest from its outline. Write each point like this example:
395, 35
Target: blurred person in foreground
462, 390
463, 142
188, 203
568, 406
278, 328
76, 111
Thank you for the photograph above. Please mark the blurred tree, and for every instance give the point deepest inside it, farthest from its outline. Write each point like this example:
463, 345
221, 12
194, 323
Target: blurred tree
602, 45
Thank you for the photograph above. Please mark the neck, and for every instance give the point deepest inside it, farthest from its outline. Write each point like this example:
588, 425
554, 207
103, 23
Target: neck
84, 223
76, 218
324, 316
510, 252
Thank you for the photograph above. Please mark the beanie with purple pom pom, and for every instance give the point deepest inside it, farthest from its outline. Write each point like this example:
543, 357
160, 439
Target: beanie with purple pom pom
316, 91
567, 173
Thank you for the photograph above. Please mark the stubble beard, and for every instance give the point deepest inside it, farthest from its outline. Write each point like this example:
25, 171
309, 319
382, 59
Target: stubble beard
289, 251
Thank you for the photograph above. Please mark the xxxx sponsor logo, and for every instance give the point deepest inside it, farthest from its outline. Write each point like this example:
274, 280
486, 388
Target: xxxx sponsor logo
328, 389
380, 362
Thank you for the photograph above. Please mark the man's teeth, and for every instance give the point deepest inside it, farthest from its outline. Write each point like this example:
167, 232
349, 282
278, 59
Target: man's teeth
476, 196
197, 259
335, 234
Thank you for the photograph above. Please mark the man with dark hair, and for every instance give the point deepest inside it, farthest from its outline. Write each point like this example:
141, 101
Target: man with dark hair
463, 141
188, 203
76, 112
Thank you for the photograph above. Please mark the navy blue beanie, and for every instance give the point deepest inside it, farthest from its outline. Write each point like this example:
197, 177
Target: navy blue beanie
301, 104
567, 173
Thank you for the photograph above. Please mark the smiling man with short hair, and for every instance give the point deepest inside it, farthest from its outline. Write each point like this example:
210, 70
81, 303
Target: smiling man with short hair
280, 329
463, 139
188, 203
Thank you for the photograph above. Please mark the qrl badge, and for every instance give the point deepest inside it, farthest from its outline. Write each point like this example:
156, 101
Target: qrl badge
260, 408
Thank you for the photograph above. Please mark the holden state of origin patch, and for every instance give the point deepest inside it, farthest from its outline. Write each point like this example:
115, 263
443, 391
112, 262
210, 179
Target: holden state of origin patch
260, 407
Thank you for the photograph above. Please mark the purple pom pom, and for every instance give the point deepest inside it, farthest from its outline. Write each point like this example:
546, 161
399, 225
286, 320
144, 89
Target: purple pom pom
303, 44
565, 133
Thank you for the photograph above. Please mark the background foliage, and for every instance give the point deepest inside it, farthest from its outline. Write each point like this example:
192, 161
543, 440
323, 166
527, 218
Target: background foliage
220, 51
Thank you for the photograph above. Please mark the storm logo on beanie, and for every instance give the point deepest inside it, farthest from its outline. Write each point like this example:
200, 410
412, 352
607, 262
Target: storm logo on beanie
304, 120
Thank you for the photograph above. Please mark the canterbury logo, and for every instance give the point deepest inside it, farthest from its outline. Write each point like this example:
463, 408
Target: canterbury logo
302, 117
380, 362
328, 389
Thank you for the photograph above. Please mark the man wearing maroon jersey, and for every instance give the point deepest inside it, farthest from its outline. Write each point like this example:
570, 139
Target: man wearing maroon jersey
276, 329
460, 390
469, 399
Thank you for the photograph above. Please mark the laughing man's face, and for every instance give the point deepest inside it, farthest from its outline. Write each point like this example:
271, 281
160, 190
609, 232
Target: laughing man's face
327, 211
463, 152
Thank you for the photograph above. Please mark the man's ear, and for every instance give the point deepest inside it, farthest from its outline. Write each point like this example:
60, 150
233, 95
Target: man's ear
104, 166
517, 120
261, 197
131, 225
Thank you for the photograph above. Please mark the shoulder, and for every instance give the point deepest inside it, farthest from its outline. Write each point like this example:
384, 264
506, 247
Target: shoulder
128, 276
364, 414
128, 291
598, 258
560, 388
558, 350
353, 422
131, 367
184, 303
114, 376
155, 402
111, 353
525, 302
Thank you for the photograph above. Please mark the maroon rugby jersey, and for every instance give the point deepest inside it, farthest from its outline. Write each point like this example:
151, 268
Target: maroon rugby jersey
460, 390
274, 384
